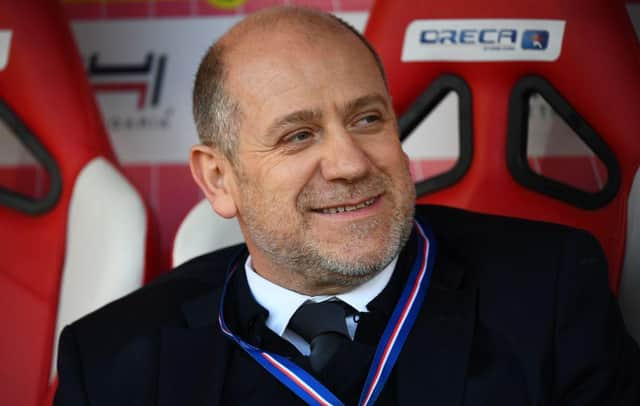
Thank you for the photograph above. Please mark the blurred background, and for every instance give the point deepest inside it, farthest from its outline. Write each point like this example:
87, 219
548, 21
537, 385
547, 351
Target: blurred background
140, 57
96, 126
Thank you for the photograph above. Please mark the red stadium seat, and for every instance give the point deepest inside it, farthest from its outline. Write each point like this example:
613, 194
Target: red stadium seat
86, 238
582, 57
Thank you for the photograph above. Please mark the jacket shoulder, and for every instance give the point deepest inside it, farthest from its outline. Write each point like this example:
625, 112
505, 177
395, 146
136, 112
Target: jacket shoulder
159, 303
460, 225
505, 252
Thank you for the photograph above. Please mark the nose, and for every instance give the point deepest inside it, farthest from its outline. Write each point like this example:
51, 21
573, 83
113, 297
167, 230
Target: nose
344, 158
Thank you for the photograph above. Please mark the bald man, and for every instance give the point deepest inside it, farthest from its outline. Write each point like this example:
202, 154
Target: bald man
344, 293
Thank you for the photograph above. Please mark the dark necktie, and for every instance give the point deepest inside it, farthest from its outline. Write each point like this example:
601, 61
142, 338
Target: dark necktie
323, 326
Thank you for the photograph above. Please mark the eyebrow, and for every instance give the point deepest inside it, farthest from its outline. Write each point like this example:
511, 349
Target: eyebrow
353, 106
292, 119
311, 115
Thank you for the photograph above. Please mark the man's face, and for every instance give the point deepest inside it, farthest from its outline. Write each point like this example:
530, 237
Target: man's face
323, 188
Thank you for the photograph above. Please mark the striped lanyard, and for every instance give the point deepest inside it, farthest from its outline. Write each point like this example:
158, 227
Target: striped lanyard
307, 387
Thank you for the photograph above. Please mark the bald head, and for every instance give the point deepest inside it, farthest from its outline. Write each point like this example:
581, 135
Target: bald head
217, 114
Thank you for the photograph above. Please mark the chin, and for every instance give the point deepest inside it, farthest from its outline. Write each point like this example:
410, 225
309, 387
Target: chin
364, 260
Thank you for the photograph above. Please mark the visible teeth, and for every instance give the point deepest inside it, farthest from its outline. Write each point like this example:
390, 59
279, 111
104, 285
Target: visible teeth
334, 210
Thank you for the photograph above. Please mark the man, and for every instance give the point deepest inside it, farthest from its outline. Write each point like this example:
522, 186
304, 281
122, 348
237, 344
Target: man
300, 144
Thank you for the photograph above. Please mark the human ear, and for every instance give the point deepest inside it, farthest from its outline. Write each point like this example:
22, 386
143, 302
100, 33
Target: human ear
212, 171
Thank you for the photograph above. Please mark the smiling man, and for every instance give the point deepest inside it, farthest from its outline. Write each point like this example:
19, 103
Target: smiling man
344, 292
317, 177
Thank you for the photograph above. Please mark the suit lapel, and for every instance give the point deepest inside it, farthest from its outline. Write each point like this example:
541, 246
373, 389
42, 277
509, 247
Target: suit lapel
432, 363
434, 359
193, 359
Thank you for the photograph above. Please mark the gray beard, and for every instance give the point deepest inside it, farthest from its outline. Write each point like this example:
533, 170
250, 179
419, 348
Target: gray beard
306, 260
299, 255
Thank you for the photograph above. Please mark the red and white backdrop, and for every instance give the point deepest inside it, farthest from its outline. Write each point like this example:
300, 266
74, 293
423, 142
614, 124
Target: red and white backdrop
141, 57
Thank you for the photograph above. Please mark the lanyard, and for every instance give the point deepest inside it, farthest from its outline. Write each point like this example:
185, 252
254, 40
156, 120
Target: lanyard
307, 387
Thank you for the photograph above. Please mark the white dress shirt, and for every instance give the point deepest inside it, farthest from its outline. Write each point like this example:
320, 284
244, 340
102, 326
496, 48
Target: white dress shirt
282, 303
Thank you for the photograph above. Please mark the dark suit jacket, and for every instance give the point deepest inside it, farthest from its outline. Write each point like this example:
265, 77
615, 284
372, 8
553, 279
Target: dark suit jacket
517, 312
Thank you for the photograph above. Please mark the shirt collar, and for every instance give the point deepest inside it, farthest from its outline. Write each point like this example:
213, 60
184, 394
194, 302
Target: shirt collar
282, 303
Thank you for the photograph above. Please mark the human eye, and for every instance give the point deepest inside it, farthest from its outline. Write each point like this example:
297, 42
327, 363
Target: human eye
367, 120
298, 137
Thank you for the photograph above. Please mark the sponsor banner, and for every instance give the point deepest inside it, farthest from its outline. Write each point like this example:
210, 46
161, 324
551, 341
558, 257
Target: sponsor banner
110, 9
5, 45
142, 73
481, 40
227, 3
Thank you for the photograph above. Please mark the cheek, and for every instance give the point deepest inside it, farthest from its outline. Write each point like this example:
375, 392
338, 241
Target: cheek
285, 179
387, 155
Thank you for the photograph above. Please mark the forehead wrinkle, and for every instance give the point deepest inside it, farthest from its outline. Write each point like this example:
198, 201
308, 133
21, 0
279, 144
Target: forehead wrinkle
297, 117
307, 116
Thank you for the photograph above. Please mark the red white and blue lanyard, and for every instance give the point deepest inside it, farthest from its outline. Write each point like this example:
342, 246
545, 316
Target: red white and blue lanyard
395, 334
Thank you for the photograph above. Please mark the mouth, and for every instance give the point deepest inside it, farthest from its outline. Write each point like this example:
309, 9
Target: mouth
346, 208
